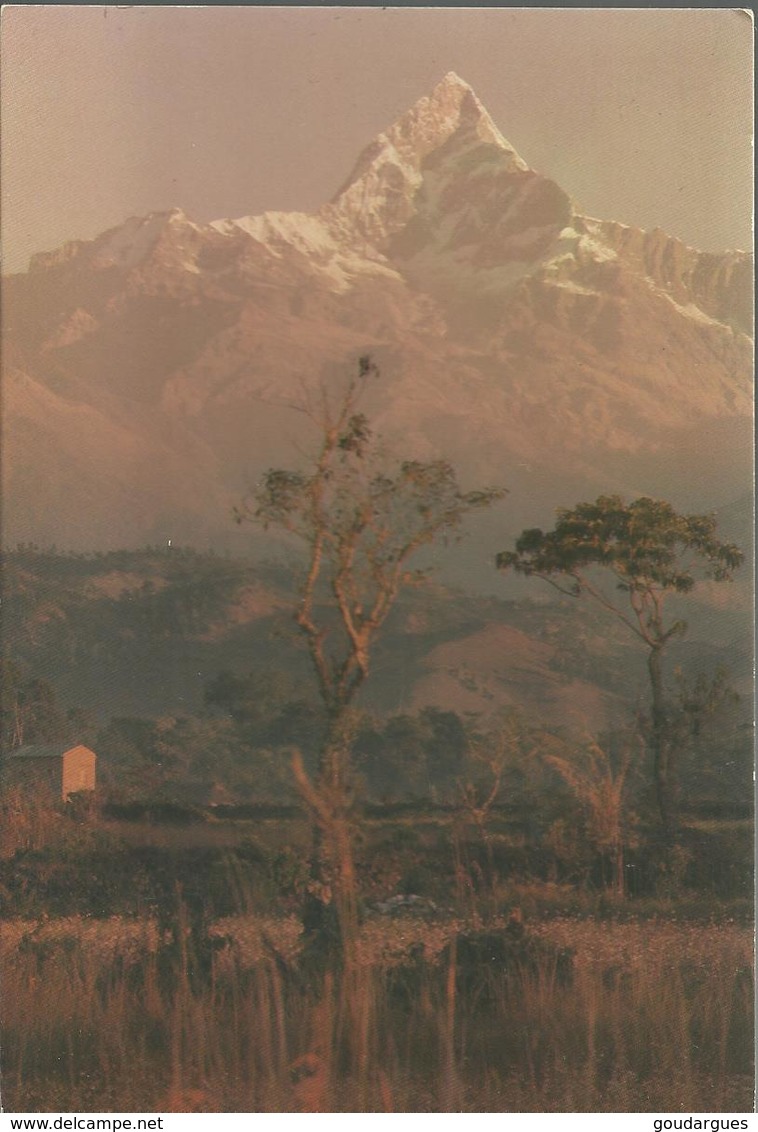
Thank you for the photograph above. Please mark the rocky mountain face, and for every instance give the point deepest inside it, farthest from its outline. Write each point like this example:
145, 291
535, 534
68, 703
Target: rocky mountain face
148, 372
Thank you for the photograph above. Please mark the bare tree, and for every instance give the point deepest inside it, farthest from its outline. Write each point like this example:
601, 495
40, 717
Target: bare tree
361, 521
491, 754
600, 785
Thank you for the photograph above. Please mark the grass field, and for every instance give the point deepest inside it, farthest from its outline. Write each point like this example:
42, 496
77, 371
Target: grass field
182, 983
656, 1017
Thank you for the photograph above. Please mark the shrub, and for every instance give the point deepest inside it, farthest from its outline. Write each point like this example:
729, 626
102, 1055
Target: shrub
155, 811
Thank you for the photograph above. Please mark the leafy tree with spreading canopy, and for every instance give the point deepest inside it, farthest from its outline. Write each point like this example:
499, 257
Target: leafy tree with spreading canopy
650, 552
361, 521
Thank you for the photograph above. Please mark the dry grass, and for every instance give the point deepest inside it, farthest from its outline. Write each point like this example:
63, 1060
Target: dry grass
658, 1018
662, 946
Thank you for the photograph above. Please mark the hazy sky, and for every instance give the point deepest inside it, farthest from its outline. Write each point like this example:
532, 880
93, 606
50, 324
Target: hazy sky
644, 116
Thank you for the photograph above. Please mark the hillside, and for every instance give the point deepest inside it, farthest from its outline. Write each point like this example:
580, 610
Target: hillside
143, 633
187, 673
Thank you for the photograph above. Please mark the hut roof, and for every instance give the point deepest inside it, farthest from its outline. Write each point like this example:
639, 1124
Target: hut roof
43, 750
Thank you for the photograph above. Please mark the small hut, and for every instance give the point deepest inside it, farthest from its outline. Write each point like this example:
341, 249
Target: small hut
57, 769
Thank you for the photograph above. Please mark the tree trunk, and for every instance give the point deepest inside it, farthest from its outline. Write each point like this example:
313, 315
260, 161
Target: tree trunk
330, 913
618, 863
661, 747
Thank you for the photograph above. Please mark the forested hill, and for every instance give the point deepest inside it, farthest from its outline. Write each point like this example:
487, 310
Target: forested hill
172, 634
145, 631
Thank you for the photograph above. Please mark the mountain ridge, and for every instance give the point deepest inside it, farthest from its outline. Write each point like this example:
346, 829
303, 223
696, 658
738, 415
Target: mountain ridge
531, 344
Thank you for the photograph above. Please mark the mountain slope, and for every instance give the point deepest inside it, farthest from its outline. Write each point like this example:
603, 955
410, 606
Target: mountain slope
534, 346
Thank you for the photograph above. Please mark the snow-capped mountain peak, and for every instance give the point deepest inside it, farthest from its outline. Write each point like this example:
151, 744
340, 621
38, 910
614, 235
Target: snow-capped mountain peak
451, 106
125, 246
378, 197
426, 149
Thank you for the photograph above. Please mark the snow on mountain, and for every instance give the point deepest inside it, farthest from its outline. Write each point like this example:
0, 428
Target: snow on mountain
128, 245
401, 177
312, 240
379, 197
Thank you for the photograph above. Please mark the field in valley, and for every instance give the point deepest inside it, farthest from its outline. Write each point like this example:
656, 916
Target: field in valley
524, 995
